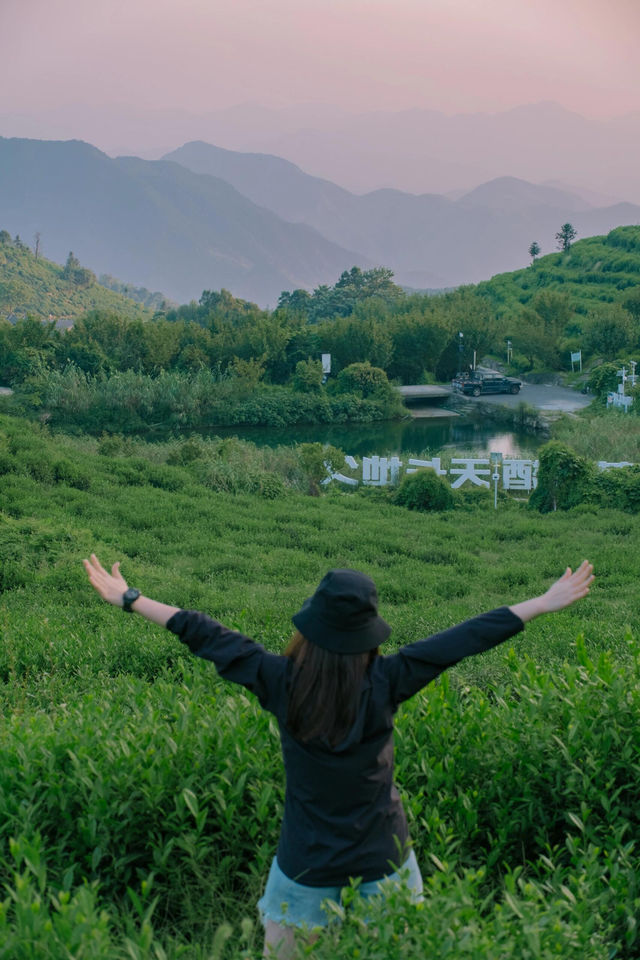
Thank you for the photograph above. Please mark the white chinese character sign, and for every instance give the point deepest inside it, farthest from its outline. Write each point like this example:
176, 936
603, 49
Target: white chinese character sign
514, 473
378, 471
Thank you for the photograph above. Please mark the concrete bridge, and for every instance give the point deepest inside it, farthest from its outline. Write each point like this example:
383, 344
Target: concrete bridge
424, 392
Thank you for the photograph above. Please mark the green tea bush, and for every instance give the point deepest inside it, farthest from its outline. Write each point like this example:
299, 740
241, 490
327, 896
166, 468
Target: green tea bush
40, 920
125, 762
70, 474
528, 919
143, 782
424, 490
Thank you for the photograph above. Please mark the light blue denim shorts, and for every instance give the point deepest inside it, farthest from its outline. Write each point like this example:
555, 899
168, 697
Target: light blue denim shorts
289, 903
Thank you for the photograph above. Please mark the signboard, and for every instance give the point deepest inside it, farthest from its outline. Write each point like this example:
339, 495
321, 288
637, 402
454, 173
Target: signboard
515, 474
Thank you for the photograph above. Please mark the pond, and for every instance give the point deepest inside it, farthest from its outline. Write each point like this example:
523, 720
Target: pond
386, 438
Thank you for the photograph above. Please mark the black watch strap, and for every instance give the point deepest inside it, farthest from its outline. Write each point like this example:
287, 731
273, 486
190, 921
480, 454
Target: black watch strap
128, 597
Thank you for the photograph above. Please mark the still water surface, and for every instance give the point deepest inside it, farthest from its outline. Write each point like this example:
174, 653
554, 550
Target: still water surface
419, 435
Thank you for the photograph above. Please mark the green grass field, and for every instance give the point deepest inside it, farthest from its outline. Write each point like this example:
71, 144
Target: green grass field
140, 796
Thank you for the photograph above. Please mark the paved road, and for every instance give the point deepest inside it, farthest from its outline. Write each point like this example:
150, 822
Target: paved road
541, 396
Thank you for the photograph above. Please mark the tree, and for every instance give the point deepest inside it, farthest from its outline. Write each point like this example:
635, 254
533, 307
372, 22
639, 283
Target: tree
541, 325
534, 251
37, 245
609, 333
72, 264
564, 479
297, 302
565, 236
308, 376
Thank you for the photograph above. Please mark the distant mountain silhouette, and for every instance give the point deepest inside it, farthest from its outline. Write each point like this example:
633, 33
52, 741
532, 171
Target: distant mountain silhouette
511, 193
258, 225
157, 224
430, 241
417, 150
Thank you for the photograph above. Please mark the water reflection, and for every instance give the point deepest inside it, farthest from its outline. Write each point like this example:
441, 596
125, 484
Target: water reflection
420, 435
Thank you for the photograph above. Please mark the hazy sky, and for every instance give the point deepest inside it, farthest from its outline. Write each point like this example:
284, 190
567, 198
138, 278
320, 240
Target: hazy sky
451, 55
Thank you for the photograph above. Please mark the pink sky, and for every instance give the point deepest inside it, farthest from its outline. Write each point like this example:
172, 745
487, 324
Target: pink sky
450, 55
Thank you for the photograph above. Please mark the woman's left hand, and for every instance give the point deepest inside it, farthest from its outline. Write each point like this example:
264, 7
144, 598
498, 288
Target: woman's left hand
110, 586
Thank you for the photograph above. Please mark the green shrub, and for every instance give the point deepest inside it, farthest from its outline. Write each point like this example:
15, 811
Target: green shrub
424, 490
315, 458
564, 479
270, 486
619, 488
603, 379
110, 445
362, 379
308, 376
186, 452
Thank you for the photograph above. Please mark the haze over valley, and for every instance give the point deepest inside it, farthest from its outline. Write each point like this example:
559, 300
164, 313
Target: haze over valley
204, 217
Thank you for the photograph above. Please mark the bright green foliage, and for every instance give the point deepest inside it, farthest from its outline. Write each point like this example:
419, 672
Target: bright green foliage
601, 434
354, 287
565, 479
308, 375
424, 490
37, 286
597, 269
611, 333
315, 459
40, 920
363, 379
604, 379
619, 488
132, 402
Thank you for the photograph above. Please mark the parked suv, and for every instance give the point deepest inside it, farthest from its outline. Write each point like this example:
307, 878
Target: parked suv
478, 383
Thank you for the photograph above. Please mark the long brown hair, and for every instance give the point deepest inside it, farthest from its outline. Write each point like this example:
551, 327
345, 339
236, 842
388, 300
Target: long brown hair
323, 698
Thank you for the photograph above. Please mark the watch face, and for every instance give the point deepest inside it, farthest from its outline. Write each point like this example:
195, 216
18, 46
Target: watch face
130, 596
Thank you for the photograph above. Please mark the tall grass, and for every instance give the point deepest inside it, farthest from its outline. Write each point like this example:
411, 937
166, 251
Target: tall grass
602, 435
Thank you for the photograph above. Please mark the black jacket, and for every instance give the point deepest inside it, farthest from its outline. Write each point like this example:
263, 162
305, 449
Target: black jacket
343, 816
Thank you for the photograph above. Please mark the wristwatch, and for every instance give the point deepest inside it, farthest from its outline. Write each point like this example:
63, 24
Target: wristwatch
128, 597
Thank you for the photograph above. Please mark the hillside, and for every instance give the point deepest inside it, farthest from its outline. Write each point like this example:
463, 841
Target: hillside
37, 286
157, 224
428, 240
603, 269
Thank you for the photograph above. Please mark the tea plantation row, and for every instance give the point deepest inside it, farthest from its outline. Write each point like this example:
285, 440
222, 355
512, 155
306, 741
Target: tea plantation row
140, 796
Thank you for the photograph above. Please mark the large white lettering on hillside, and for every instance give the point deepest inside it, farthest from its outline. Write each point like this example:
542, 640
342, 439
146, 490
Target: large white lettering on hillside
517, 474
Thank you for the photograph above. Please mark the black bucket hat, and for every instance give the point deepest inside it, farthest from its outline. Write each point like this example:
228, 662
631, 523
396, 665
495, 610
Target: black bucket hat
342, 615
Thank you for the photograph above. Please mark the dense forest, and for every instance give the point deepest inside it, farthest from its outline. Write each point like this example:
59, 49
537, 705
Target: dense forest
226, 360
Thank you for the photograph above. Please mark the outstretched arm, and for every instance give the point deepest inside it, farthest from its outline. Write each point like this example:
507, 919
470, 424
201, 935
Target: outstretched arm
417, 664
111, 587
565, 591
